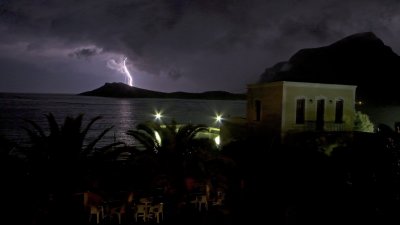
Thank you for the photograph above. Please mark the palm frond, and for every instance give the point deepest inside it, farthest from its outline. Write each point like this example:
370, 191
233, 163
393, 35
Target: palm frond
87, 128
197, 129
144, 138
148, 128
53, 125
189, 131
66, 127
91, 145
36, 127
78, 121
33, 136
73, 127
106, 150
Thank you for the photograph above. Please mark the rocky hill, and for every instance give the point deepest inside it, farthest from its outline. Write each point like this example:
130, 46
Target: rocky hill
361, 59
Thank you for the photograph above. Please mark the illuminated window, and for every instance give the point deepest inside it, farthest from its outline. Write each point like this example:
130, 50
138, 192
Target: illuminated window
339, 111
300, 111
258, 110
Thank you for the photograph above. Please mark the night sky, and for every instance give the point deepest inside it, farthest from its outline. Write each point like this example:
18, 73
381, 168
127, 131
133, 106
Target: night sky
71, 46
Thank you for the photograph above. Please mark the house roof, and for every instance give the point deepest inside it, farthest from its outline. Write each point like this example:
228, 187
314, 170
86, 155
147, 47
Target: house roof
302, 84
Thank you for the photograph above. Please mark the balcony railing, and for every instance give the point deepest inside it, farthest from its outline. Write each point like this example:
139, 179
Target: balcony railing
312, 126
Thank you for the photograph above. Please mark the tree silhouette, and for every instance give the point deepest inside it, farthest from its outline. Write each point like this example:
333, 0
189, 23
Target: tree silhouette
167, 139
175, 147
60, 156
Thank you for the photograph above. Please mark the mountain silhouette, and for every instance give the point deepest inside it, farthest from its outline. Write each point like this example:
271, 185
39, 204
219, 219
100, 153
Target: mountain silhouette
360, 59
121, 90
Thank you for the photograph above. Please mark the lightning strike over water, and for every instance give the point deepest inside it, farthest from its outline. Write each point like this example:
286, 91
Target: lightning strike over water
126, 72
122, 68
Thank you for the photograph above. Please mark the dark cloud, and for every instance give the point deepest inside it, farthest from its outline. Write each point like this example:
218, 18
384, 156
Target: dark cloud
85, 52
206, 42
174, 74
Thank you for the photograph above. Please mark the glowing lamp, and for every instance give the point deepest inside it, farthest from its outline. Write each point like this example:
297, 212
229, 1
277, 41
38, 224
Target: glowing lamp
158, 115
218, 118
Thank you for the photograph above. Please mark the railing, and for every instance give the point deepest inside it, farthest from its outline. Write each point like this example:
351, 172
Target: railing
312, 126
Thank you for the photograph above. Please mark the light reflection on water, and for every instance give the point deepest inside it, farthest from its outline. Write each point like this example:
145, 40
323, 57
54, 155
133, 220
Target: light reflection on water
125, 114
122, 114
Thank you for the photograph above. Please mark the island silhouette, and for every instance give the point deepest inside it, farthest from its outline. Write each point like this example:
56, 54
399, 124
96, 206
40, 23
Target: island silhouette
121, 90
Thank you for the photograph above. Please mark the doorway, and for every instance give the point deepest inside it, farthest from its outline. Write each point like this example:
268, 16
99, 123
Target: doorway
320, 114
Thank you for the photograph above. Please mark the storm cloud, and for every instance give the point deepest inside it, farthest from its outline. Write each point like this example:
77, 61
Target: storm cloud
177, 45
85, 52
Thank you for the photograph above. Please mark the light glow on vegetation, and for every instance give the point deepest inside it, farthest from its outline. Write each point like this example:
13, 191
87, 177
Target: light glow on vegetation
217, 140
158, 137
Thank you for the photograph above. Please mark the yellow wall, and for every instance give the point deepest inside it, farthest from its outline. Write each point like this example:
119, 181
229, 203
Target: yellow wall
329, 92
278, 104
270, 96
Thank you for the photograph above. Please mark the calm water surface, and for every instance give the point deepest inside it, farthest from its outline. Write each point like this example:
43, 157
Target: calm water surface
123, 114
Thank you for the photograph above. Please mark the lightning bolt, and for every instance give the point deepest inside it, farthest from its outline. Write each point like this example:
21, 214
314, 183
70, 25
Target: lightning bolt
122, 68
126, 72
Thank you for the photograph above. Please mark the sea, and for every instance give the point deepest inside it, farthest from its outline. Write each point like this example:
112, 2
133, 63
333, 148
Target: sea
122, 114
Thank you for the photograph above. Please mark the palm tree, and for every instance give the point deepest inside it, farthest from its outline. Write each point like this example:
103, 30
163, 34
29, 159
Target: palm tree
60, 159
67, 140
148, 135
172, 145
63, 153
167, 139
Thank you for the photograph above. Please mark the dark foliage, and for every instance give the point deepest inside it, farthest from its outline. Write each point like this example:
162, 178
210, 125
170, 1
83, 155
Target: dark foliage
301, 182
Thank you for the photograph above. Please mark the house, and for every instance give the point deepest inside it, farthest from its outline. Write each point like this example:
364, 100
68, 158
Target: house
284, 106
276, 109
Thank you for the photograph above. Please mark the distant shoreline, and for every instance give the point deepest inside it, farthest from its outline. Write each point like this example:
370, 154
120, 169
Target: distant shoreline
120, 90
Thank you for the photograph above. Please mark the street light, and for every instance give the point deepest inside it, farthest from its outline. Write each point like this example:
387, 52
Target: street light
218, 121
218, 118
158, 116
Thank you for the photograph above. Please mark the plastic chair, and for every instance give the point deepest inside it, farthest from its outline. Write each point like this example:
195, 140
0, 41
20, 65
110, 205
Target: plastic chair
93, 203
141, 211
121, 210
98, 211
219, 199
195, 201
157, 211
118, 211
202, 201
